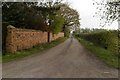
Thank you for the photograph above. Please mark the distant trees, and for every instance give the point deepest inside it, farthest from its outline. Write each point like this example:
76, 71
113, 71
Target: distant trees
94, 30
86, 30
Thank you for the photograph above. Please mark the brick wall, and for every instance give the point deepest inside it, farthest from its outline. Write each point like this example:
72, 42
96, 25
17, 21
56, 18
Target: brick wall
56, 36
29, 38
19, 39
10, 39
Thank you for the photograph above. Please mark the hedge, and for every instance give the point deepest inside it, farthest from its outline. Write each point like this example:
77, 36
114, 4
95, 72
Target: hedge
105, 39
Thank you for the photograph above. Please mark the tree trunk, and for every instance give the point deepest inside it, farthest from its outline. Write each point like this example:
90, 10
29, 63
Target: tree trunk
48, 36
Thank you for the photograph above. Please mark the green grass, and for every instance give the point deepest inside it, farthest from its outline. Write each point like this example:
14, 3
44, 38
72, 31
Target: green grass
0, 58
24, 53
110, 58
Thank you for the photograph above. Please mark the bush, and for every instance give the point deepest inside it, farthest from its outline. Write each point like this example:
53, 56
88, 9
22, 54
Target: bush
105, 39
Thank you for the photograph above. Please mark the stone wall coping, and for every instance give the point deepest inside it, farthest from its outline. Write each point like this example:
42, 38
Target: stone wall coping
10, 27
30, 30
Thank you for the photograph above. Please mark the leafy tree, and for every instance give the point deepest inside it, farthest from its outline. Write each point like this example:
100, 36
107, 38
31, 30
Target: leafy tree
56, 23
52, 16
71, 18
28, 14
16, 13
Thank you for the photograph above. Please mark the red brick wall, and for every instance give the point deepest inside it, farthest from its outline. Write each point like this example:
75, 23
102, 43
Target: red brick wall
29, 38
56, 36
10, 39
19, 39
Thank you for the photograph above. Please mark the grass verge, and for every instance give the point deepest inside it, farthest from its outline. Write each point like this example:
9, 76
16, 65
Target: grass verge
0, 58
104, 55
21, 54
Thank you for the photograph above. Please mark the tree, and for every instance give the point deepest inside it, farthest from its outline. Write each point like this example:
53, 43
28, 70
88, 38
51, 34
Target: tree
52, 16
56, 23
109, 10
71, 18
19, 14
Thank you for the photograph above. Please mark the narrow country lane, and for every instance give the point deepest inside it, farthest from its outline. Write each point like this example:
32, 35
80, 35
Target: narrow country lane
67, 60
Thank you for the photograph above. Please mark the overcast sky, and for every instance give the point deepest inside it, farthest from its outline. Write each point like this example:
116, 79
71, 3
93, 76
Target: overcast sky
86, 10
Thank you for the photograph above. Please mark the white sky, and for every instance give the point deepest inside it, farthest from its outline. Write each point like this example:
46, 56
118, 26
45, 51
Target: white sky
86, 10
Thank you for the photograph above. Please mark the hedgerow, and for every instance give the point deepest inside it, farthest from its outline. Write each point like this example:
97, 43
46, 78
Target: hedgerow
106, 39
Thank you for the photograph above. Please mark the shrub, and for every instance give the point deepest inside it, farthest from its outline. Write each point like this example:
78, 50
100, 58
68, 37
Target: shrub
105, 39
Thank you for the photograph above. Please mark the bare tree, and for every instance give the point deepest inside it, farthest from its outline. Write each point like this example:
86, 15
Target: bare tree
109, 10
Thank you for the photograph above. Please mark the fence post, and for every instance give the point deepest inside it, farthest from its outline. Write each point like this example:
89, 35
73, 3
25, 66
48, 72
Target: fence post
11, 39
